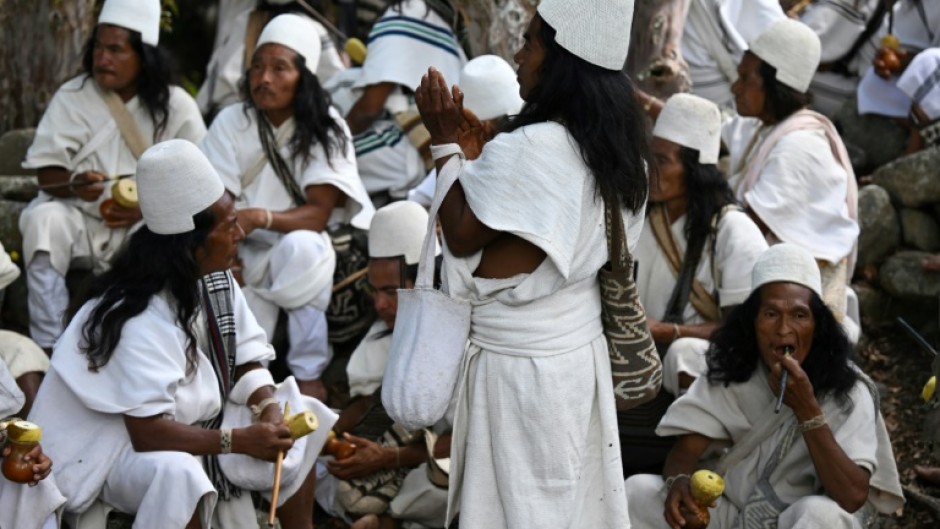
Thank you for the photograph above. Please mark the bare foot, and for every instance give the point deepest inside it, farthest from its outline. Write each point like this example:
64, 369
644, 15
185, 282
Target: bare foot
929, 475
313, 388
931, 264
369, 521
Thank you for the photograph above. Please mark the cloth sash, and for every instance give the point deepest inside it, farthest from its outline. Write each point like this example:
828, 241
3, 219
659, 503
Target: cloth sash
218, 302
125, 122
805, 120
702, 300
270, 145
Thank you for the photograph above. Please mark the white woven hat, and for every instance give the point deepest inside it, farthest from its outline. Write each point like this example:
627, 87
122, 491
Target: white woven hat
597, 31
787, 263
490, 87
295, 32
793, 49
692, 122
398, 229
174, 182
142, 16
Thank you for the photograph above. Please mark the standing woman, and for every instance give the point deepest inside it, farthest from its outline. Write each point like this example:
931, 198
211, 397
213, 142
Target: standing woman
286, 157
535, 433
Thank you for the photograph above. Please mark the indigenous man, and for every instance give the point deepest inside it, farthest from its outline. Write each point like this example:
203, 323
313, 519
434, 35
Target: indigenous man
95, 128
286, 157
824, 460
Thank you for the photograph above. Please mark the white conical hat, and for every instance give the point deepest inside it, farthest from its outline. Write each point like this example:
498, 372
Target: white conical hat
692, 122
793, 49
490, 87
787, 263
398, 229
597, 31
296, 32
142, 16
174, 182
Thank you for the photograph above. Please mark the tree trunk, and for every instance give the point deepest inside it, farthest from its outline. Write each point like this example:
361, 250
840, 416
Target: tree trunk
41, 44
496, 26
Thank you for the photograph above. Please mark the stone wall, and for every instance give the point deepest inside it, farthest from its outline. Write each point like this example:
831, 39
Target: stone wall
17, 187
899, 216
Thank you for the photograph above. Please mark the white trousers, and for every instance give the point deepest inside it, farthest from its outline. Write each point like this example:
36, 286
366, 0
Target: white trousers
47, 298
646, 499
299, 255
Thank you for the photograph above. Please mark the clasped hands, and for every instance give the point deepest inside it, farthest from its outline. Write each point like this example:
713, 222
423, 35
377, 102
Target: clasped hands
445, 117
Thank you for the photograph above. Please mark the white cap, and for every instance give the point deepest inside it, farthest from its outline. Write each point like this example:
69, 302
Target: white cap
142, 16
786, 263
597, 31
793, 49
398, 229
296, 32
175, 181
490, 87
692, 122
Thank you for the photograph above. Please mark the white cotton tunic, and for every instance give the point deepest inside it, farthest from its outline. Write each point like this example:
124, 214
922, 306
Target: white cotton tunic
739, 242
801, 191
81, 411
729, 413
366, 365
535, 437
78, 133
233, 147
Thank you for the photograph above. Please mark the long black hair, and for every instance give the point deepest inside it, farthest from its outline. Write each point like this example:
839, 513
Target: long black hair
708, 192
153, 82
781, 101
597, 107
733, 355
148, 264
313, 123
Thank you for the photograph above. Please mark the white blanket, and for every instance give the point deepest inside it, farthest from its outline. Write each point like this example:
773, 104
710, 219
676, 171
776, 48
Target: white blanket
535, 435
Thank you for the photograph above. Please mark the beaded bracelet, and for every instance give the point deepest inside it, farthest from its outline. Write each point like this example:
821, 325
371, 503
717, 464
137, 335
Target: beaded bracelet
811, 424
225, 441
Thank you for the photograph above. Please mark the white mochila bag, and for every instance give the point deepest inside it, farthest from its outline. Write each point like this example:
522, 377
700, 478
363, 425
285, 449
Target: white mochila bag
429, 338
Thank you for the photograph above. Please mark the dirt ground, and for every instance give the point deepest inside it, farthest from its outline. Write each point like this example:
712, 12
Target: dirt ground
900, 367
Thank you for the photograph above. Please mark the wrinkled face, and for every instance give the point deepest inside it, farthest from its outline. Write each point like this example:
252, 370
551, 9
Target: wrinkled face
273, 78
115, 63
671, 181
530, 58
748, 90
220, 248
385, 280
784, 320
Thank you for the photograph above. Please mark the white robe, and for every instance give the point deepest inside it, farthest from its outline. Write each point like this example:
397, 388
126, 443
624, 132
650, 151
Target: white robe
729, 413
367, 363
226, 67
739, 242
82, 411
78, 133
233, 147
535, 433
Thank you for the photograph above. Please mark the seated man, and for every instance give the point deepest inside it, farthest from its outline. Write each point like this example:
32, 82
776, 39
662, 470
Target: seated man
93, 131
146, 404
822, 458
399, 468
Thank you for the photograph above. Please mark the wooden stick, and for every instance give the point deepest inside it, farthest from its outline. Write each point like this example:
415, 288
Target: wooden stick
350, 279
80, 184
277, 476
798, 8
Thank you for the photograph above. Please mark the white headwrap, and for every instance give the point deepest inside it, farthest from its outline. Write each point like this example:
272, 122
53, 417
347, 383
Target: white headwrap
490, 87
793, 49
297, 33
597, 31
692, 122
142, 16
398, 229
787, 263
175, 181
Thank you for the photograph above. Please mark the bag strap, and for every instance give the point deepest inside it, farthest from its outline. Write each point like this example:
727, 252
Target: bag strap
620, 261
125, 122
282, 136
256, 22
713, 39
755, 436
445, 179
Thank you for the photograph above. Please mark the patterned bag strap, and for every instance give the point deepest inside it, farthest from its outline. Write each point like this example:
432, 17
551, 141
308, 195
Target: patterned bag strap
620, 261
